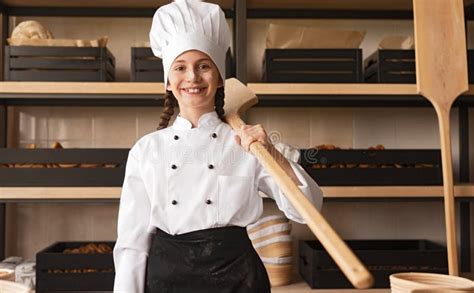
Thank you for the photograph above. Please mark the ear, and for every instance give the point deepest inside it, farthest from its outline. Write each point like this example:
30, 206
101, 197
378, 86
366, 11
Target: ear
221, 82
168, 87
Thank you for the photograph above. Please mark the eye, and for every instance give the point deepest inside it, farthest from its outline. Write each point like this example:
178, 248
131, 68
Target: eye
179, 68
204, 66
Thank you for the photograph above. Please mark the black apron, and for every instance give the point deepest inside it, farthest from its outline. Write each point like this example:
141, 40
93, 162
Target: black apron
216, 260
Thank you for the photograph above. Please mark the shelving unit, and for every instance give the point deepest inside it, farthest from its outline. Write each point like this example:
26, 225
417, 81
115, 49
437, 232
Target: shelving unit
270, 95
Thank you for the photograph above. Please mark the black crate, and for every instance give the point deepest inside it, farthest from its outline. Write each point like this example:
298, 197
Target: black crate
146, 67
381, 257
52, 263
32, 63
398, 66
377, 172
313, 65
62, 177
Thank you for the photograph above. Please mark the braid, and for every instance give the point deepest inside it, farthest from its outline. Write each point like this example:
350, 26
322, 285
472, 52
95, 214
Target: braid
168, 110
219, 103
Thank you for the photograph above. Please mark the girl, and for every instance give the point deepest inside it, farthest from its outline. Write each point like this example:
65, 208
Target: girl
191, 189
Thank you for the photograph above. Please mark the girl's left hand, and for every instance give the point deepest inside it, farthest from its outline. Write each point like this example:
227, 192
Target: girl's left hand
252, 133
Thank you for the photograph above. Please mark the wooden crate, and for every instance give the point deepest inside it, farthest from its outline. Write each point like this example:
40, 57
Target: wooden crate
373, 167
34, 63
398, 66
313, 65
29, 176
145, 67
381, 257
54, 269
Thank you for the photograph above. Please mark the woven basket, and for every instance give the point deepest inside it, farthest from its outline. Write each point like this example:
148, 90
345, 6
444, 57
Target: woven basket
276, 247
12, 287
279, 274
429, 283
266, 222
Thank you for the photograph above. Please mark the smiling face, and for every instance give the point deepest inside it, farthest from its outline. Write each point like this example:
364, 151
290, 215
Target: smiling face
194, 78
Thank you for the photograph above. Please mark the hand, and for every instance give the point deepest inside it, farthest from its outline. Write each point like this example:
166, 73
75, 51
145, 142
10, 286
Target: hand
249, 134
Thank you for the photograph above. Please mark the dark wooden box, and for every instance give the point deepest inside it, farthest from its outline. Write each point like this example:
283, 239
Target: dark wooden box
313, 65
398, 66
381, 257
34, 63
380, 167
146, 67
52, 263
29, 174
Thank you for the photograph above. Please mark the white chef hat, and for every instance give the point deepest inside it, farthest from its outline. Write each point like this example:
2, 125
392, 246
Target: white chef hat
186, 25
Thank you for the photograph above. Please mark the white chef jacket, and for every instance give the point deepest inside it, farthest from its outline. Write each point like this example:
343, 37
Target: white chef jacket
182, 179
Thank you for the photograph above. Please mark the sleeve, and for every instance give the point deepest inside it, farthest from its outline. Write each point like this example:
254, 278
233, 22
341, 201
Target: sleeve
266, 184
133, 238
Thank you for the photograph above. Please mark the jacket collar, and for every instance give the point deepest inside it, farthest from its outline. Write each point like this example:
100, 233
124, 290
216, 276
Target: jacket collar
207, 120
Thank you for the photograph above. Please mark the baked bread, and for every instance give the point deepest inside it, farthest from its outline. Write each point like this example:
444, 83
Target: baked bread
31, 29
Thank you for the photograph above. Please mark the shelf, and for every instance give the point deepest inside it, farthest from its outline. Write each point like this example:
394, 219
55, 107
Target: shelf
330, 192
270, 94
331, 4
251, 4
101, 3
157, 88
302, 287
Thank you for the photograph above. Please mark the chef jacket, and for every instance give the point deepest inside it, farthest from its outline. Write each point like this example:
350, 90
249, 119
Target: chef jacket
182, 179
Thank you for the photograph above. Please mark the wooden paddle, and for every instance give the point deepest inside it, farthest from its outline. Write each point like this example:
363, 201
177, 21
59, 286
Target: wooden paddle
238, 99
441, 72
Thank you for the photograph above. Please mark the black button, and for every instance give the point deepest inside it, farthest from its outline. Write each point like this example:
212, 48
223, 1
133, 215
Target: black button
174, 166
210, 166
208, 201
174, 202
214, 135
176, 137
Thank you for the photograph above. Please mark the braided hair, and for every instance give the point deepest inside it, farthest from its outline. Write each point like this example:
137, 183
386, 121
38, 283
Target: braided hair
170, 103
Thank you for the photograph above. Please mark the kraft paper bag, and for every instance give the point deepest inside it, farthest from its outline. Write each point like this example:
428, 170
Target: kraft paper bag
396, 42
305, 37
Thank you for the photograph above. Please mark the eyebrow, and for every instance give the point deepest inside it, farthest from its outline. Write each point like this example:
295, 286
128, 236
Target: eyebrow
202, 59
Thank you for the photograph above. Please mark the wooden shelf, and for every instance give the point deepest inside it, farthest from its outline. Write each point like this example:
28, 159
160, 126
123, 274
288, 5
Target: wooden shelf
251, 4
330, 192
302, 287
331, 4
83, 88
157, 88
332, 89
102, 3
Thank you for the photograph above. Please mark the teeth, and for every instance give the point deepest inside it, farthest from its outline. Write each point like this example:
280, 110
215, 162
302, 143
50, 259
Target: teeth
193, 90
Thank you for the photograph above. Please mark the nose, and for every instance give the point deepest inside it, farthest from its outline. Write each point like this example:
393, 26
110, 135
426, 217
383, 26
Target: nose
192, 75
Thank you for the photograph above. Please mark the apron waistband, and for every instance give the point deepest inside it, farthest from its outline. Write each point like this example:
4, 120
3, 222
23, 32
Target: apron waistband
231, 233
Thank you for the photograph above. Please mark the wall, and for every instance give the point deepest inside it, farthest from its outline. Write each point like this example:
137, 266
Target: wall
31, 227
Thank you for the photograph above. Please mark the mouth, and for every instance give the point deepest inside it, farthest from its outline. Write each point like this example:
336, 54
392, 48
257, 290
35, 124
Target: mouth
194, 90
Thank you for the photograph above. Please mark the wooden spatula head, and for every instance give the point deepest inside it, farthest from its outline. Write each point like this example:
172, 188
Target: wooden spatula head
238, 97
440, 48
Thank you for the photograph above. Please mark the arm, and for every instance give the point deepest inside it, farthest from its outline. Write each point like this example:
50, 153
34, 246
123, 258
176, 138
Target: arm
265, 182
133, 241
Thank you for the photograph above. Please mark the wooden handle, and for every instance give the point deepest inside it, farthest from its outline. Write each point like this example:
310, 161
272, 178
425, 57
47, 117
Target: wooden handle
350, 265
449, 204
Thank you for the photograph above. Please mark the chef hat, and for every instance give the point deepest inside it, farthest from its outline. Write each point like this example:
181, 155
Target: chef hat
186, 25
